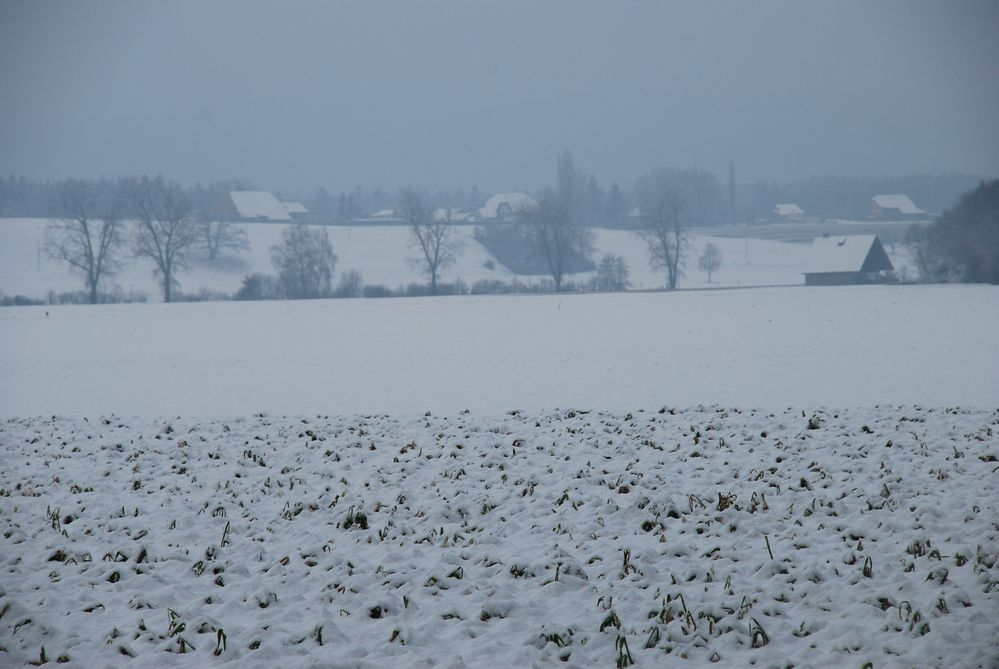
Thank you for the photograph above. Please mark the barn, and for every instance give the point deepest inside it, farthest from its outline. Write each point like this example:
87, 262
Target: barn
258, 205
896, 207
855, 259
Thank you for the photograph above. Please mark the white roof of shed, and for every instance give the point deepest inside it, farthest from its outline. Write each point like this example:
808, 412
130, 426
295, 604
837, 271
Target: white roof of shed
516, 201
258, 204
897, 201
454, 215
294, 207
788, 210
838, 254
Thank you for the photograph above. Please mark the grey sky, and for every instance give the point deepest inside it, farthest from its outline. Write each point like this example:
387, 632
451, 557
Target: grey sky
295, 95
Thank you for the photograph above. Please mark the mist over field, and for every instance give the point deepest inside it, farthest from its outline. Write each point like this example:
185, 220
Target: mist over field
307, 94
474, 335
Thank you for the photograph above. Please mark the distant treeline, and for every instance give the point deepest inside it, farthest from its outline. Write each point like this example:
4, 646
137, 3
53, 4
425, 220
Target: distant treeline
714, 202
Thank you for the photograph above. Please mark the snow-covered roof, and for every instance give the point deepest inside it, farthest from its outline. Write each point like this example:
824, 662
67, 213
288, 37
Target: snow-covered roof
454, 215
515, 201
383, 213
839, 254
899, 202
789, 209
258, 204
294, 207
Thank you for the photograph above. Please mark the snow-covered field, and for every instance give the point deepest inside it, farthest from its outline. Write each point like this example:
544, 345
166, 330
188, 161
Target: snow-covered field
853, 538
381, 254
774, 347
259, 484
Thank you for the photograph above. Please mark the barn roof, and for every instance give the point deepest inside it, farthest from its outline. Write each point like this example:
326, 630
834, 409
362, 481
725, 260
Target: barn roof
898, 201
855, 253
294, 207
453, 215
516, 201
258, 204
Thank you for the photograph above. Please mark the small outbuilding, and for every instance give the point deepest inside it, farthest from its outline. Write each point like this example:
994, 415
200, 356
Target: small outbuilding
840, 261
453, 215
296, 210
788, 212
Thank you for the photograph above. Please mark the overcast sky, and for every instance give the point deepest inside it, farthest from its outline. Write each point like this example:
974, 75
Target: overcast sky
295, 95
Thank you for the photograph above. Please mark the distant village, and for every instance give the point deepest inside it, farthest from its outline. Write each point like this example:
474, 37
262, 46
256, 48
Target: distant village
833, 260
672, 229
265, 207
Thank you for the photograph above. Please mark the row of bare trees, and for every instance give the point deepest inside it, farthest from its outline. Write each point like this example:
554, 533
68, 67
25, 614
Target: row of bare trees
91, 235
558, 232
666, 199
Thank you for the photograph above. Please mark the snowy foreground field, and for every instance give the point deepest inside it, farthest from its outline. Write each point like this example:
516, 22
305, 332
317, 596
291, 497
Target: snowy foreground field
848, 539
413, 496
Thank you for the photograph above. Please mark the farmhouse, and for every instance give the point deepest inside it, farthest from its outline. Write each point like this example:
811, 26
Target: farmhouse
258, 205
837, 261
788, 213
897, 207
506, 206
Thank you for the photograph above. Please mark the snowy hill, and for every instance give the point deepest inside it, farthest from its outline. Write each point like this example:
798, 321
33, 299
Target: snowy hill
382, 253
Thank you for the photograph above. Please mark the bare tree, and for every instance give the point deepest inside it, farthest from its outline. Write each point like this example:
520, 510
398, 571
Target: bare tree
219, 235
351, 284
166, 231
710, 260
612, 274
435, 238
304, 260
89, 245
664, 207
556, 236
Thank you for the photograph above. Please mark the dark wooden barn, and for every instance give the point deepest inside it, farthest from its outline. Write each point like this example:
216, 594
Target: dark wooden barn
856, 259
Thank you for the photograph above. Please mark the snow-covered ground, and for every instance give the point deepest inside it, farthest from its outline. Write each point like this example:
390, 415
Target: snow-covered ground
768, 347
810, 539
382, 253
713, 478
